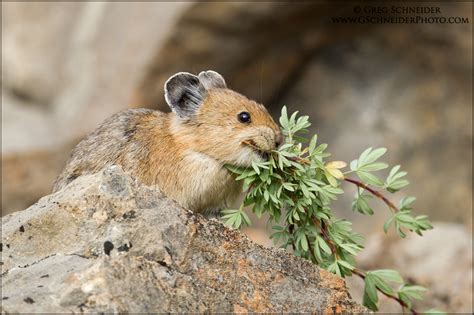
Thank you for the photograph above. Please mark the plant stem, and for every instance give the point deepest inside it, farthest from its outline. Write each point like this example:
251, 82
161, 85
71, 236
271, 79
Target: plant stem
377, 194
325, 233
361, 274
326, 237
299, 160
291, 228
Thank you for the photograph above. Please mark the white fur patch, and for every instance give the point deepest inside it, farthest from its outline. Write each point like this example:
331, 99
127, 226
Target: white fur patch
212, 184
247, 156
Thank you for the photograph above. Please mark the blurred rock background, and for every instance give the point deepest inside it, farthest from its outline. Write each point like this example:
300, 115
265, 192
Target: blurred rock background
408, 87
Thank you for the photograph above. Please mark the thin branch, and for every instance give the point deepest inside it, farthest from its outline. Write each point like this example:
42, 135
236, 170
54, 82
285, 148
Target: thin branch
325, 233
373, 192
299, 160
291, 228
326, 237
361, 274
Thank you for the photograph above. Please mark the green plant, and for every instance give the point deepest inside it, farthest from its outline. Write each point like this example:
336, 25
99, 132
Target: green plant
295, 187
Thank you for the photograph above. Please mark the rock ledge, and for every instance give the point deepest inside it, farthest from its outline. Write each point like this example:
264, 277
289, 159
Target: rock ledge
108, 244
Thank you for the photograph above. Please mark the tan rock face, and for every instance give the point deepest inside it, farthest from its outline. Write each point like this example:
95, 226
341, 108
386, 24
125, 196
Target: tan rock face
108, 244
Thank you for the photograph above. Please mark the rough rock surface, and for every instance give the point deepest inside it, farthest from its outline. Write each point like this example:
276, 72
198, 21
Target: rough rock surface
107, 244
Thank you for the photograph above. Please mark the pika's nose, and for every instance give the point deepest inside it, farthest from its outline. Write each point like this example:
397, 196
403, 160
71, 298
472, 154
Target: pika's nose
278, 139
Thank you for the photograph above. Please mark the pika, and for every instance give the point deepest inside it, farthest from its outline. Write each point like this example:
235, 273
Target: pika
183, 152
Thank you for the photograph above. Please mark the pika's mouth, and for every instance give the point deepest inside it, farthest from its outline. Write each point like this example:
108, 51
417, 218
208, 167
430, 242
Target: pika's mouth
262, 153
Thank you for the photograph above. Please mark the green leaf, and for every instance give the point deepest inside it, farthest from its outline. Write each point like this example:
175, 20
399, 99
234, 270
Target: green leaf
408, 292
312, 143
305, 190
353, 165
413, 291
387, 224
369, 178
363, 156
317, 252
381, 278
397, 185
361, 203
246, 218
388, 275
332, 181
345, 264
289, 186
323, 245
233, 218
235, 169
284, 117
374, 155
304, 243
394, 181
369, 303
266, 195
334, 268
246, 174
374, 167
406, 202
255, 167
393, 171
370, 290
351, 248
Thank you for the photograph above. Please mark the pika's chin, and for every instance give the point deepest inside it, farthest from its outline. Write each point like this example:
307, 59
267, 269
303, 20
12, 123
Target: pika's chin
248, 155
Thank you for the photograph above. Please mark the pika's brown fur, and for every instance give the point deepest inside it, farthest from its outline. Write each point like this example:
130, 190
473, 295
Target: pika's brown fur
183, 152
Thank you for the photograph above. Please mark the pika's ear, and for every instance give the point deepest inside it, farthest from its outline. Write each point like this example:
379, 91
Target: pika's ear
184, 93
211, 79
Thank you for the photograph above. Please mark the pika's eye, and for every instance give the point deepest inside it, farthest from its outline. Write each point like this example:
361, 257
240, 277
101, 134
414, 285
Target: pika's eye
244, 117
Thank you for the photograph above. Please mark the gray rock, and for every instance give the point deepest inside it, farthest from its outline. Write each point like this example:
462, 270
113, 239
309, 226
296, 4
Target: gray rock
65, 63
34, 48
105, 243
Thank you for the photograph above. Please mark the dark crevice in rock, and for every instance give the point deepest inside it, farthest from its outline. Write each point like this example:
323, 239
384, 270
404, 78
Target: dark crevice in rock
108, 247
37, 262
125, 247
